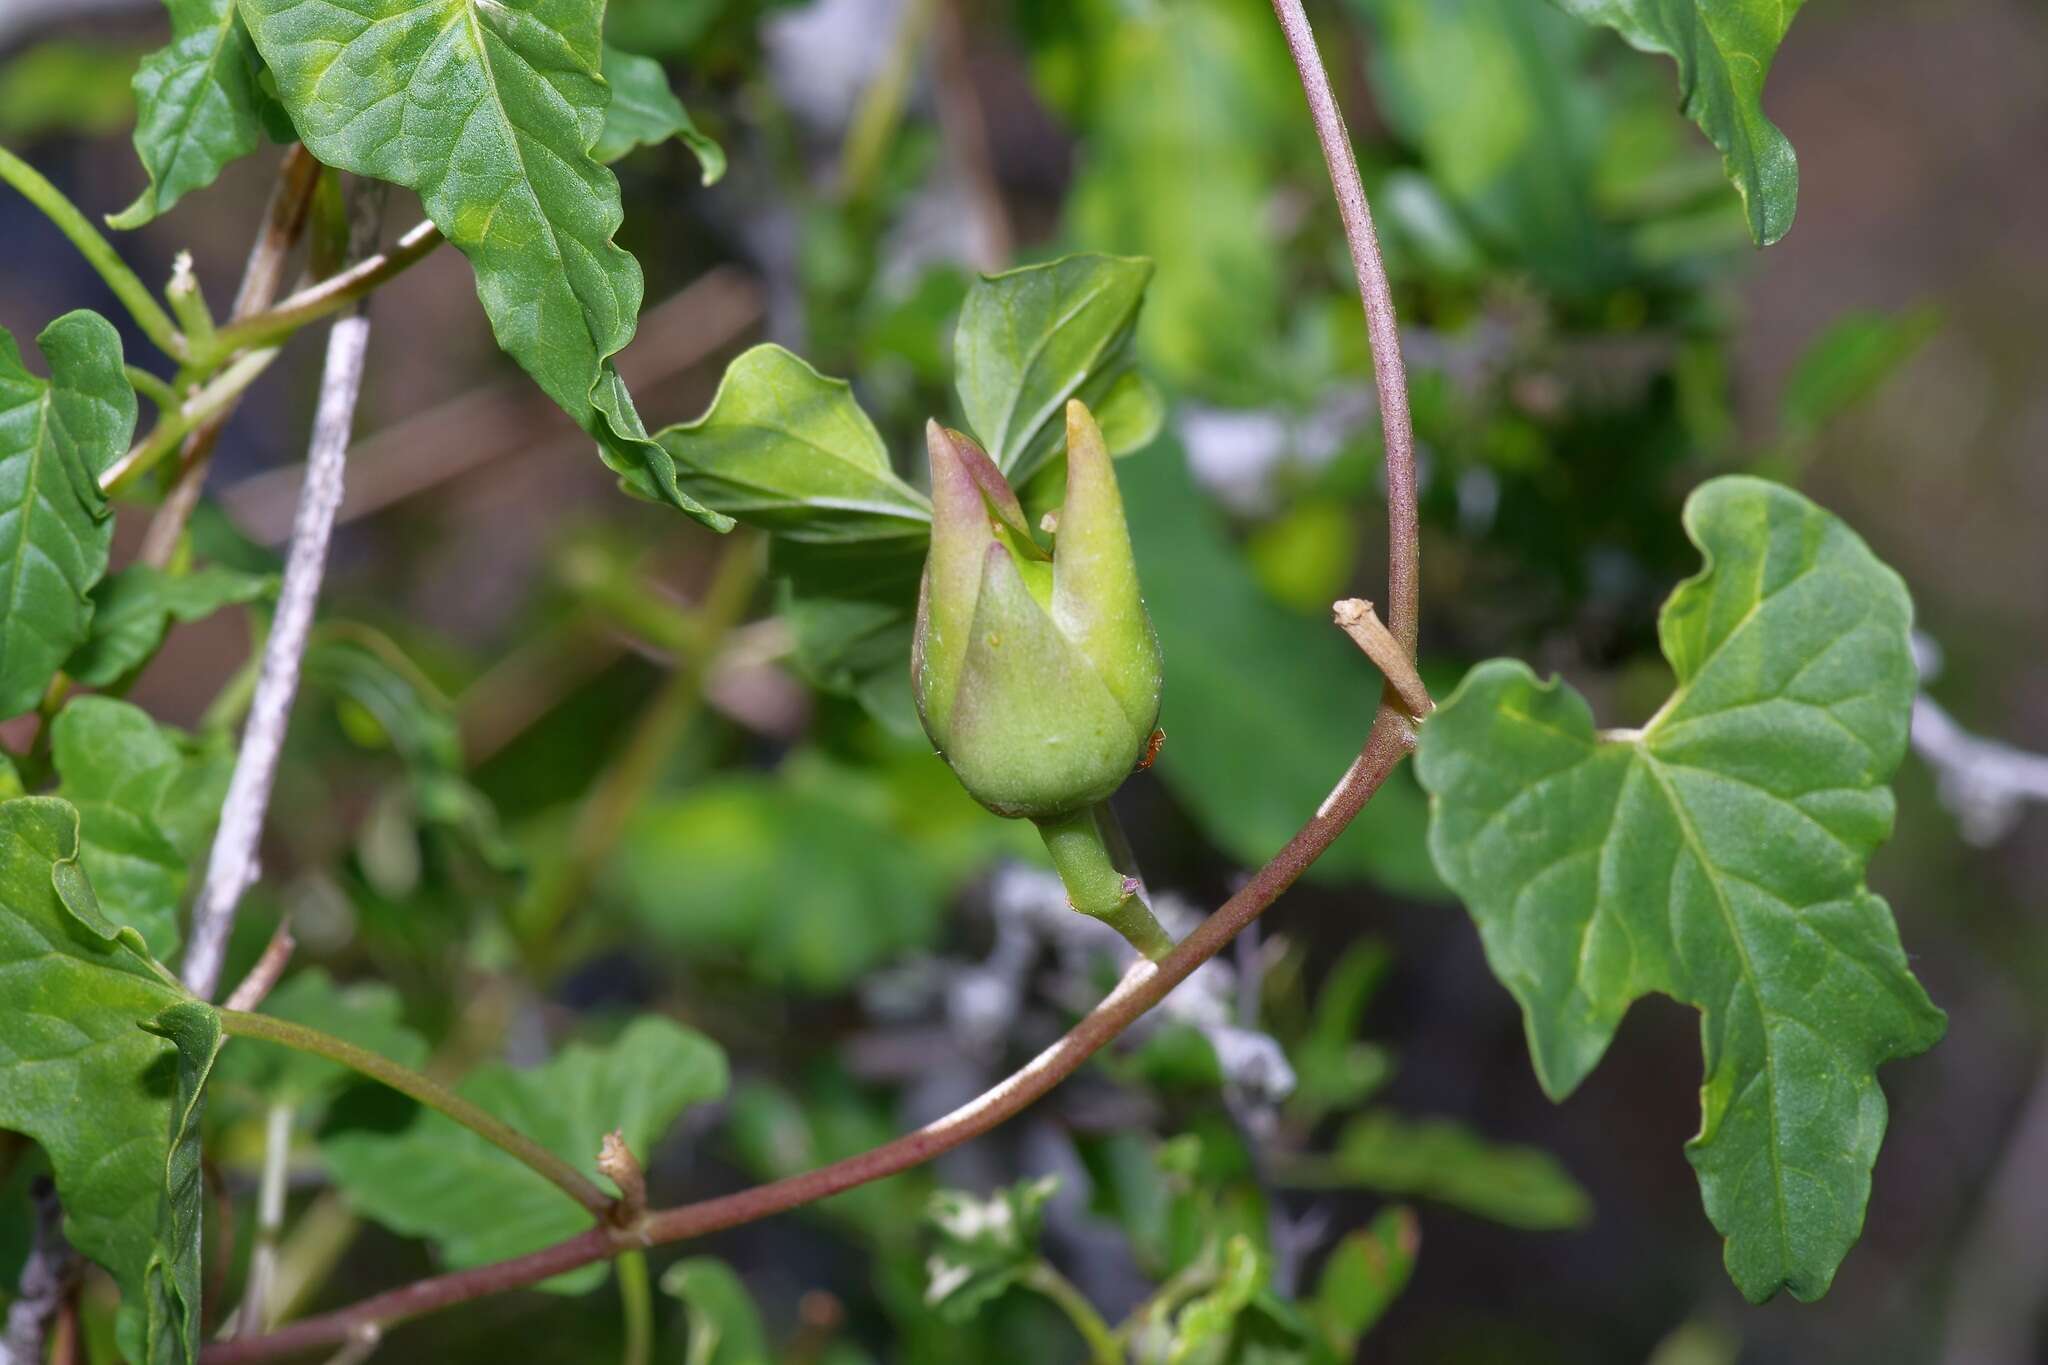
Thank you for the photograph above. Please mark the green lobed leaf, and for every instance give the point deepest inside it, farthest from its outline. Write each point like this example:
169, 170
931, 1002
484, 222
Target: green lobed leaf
171, 1279
644, 112
984, 1245
1716, 856
80, 1074
119, 769
1363, 1276
435, 1179
1724, 50
786, 448
134, 608
199, 105
489, 110
56, 436
723, 1324
1032, 338
1440, 1159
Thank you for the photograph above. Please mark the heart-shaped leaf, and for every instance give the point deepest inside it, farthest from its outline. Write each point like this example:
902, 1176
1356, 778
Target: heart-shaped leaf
786, 448
133, 608
1716, 856
85, 1073
117, 768
198, 106
56, 435
1032, 338
489, 111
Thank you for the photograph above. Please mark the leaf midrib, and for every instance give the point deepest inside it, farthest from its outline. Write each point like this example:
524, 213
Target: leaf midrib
30, 496
912, 510
1009, 455
1712, 872
183, 125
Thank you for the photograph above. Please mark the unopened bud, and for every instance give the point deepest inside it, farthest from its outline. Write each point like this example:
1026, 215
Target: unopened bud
1037, 675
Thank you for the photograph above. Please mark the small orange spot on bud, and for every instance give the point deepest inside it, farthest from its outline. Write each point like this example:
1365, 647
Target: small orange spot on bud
1152, 747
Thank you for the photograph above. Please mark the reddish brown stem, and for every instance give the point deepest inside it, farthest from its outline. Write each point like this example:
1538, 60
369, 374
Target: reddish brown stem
1144, 986
1404, 551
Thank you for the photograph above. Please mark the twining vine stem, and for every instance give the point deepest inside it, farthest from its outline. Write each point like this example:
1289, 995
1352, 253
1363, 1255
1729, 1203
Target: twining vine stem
1143, 986
1390, 375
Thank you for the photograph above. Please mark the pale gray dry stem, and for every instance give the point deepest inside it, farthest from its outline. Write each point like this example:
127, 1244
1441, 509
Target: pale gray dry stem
46, 1277
232, 867
255, 1312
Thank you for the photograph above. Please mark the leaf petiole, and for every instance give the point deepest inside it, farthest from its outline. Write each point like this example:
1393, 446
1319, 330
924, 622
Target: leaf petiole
427, 1091
1103, 1346
636, 1306
1092, 857
99, 253
156, 390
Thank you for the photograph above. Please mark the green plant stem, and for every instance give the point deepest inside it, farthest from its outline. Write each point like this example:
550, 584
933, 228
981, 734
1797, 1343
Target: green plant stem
326, 298
218, 395
156, 390
636, 1304
1103, 1347
428, 1092
1178, 1289
99, 253
188, 306
1087, 850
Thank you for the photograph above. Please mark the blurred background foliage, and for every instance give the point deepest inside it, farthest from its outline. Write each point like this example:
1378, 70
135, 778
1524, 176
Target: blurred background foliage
562, 759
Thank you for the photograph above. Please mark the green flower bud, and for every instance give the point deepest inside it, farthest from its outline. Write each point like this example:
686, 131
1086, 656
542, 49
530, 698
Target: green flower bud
1037, 676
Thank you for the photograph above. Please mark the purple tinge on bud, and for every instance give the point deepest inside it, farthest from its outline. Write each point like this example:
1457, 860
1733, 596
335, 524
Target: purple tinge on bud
1040, 688
952, 578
